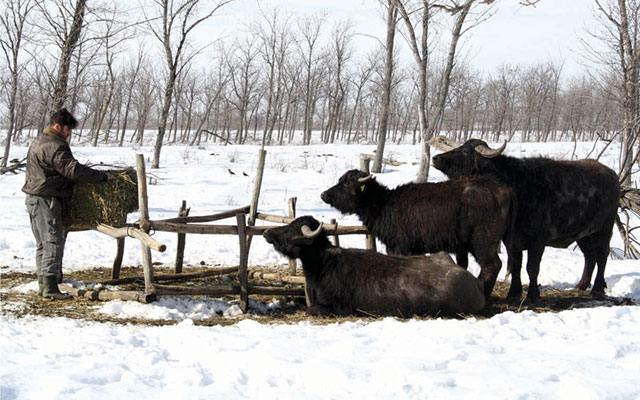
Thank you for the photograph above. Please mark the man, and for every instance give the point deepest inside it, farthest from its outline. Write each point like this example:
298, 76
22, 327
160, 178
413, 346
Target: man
51, 173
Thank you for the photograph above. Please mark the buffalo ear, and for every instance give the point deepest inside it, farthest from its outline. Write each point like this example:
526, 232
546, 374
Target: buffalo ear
363, 188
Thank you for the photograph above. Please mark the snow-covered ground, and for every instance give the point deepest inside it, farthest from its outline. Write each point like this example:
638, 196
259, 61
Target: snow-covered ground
591, 352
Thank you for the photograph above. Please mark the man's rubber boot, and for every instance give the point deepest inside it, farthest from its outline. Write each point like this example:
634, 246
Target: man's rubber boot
40, 286
51, 290
60, 276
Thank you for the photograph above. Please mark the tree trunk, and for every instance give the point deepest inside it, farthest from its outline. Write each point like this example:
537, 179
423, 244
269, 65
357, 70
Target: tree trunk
392, 13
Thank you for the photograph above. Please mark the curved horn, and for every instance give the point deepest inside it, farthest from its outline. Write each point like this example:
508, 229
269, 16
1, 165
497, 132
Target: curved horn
485, 151
308, 233
365, 179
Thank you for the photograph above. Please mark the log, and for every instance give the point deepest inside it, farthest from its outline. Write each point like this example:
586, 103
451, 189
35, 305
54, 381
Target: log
224, 290
205, 218
202, 229
276, 276
106, 295
275, 218
173, 277
133, 232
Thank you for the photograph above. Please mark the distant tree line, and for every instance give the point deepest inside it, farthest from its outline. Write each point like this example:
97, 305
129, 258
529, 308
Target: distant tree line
277, 79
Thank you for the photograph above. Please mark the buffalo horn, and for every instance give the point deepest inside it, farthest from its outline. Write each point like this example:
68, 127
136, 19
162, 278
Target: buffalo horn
365, 178
487, 152
306, 231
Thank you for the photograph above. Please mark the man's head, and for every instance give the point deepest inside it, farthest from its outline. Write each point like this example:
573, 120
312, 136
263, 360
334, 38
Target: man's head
63, 122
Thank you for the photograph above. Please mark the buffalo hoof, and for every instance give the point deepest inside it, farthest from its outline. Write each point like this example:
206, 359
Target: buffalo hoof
582, 285
598, 295
318, 311
514, 294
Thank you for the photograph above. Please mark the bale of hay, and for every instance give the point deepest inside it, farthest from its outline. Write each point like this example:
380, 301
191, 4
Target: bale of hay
101, 202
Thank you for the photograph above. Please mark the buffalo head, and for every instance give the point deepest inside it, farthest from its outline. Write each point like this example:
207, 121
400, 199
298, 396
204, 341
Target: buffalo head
290, 240
348, 194
474, 157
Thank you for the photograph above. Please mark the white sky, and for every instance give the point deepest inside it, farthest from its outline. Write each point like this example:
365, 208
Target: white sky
515, 34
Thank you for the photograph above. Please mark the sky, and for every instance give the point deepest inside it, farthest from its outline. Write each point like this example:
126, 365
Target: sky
516, 34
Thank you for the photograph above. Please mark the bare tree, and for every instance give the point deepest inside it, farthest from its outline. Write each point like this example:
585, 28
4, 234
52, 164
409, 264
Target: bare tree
13, 18
622, 18
309, 29
173, 25
392, 17
67, 19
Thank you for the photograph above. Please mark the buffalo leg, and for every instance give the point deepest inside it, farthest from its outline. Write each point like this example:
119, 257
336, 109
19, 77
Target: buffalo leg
490, 265
534, 255
602, 252
515, 266
589, 252
462, 258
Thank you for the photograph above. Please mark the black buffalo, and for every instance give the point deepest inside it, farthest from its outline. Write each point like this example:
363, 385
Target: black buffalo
463, 216
352, 281
559, 202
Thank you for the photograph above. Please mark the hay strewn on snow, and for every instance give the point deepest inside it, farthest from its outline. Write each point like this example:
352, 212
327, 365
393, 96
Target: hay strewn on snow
102, 202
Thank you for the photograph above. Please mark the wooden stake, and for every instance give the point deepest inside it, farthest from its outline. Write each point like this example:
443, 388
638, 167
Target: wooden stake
253, 207
117, 262
183, 212
143, 206
292, 214
336, 237
243, 276
371, 242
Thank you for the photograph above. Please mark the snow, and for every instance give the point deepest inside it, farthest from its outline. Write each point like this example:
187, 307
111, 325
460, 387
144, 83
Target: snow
587, 353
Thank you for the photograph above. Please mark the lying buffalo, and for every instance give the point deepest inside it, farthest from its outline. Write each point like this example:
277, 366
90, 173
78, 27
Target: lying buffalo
352, 281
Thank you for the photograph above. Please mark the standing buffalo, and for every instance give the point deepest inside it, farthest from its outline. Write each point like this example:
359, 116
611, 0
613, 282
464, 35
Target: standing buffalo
559, 202
348, 281
460, 216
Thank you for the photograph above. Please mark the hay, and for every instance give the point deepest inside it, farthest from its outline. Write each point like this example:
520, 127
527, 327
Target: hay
101, 202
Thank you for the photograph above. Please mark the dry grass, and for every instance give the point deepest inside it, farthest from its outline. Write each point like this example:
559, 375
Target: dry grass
102, 202
26, 304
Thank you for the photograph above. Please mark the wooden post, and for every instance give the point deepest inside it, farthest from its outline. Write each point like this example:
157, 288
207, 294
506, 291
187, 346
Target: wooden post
117, 262
293, 263
143, 205
336, 237
183, 212
253, 207
371, 242
364, 163
243, 275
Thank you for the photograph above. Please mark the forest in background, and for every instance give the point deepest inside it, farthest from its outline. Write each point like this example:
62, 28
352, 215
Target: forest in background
123, 69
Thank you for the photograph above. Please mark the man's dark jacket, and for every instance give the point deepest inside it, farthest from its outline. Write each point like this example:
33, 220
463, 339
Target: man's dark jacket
52, 170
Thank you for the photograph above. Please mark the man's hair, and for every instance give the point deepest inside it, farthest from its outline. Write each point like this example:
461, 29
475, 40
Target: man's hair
64, 118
